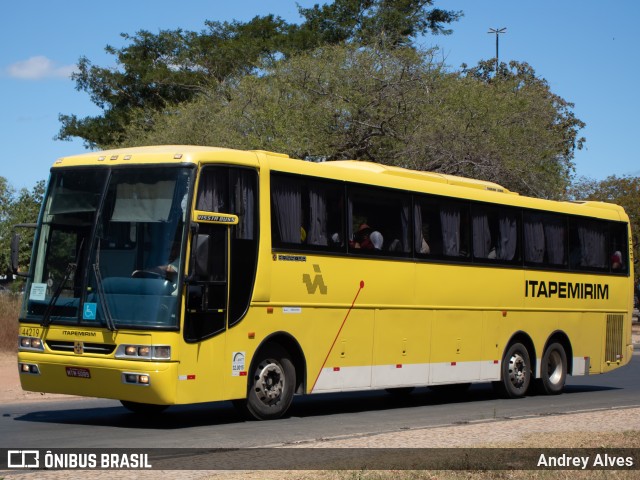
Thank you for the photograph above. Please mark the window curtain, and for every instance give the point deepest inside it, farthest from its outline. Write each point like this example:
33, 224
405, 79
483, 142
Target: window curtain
212, 192
417, 232
592, 246
244, 205
554, 234
406, 225
508, 241
481, 235
534, 239
287, 210
450, 220
317, 234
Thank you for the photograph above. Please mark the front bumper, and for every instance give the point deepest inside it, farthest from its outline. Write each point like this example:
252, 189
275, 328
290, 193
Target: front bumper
105, 377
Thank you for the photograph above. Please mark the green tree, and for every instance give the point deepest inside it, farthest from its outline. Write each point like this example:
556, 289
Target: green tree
510, 129
17, 207
623, 191
389, 105
157, 70
398, 22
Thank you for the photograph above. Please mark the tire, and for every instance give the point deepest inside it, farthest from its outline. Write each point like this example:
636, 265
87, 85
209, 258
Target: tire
553, 370
516, 372
143, 408
271, 384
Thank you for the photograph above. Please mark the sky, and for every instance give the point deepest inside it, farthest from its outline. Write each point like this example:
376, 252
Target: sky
587, 50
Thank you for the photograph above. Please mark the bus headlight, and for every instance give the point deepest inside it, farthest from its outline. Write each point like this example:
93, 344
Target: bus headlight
144, 352
30, 368
32, 344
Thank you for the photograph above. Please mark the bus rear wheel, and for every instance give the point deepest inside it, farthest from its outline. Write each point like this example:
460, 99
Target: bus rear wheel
553, 371
271, 384
516, 372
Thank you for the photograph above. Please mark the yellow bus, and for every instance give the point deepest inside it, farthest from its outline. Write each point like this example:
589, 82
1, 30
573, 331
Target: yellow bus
176, 274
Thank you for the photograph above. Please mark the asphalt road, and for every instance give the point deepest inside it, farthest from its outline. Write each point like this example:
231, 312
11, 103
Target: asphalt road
92, 423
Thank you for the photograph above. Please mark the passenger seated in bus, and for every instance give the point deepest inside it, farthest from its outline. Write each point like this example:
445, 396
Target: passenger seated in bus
616, 261
377, 240
361, 239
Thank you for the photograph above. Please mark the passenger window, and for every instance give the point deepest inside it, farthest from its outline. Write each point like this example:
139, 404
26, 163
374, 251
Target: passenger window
588, 245
442, 228
379, 221
307, 213
495, 233
619, 249
545, 239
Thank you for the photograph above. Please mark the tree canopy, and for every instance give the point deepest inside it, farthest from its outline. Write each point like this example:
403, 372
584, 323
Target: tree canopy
173, 66
389, 105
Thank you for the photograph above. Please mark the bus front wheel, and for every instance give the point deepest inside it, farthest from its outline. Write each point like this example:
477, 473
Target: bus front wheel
516, 372
271, 384
553, 371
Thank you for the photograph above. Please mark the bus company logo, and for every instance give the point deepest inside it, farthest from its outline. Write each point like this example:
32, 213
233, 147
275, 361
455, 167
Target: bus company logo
23, 459
78, 348
569, 290
78, 333
317, 283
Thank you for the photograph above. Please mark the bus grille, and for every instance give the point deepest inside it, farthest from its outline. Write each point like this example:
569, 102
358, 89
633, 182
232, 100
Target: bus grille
95, 348
613, 351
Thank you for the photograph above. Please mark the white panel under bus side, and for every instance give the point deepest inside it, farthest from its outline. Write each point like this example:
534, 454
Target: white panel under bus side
400, 375
405, 375
581, 366
461, 372
340, 379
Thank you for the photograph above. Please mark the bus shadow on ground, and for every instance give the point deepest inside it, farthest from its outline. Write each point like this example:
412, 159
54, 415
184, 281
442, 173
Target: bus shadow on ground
223, 413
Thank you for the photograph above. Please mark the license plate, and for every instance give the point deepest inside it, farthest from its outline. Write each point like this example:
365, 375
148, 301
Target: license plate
78, 372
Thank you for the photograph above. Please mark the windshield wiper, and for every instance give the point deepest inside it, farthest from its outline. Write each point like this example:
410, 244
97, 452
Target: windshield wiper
71, 268
111, 325
46, 317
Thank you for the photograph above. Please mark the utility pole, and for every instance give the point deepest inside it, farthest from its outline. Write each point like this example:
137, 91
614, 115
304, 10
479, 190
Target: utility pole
497, 31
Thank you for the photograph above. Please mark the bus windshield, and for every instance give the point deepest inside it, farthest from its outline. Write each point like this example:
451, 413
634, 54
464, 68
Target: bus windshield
108, 251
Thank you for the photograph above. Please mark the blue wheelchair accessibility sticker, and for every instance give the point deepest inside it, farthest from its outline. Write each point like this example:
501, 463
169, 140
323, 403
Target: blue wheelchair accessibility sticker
89, 312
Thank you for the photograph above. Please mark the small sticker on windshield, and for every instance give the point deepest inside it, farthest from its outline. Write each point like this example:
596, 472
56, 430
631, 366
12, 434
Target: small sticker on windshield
38, 291
89, 311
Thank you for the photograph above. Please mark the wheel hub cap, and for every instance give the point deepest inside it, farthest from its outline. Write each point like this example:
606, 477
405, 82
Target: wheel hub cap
270, 383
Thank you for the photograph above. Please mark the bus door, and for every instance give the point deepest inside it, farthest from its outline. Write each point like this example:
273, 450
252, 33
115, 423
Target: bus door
208, 280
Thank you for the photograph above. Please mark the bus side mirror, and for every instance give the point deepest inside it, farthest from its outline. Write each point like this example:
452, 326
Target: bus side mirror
200, 256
